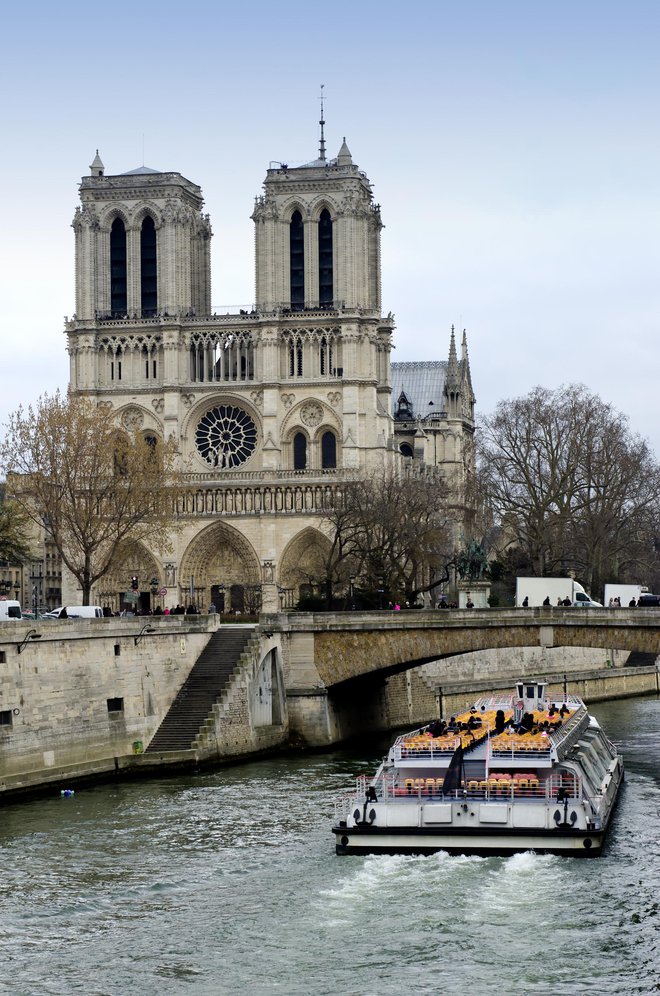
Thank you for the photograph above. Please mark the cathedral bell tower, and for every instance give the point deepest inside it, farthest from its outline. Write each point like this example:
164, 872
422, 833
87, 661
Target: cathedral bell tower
317, 237
142, 246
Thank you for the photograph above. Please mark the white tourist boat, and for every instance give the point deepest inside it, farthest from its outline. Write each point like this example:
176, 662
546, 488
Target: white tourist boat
514, 773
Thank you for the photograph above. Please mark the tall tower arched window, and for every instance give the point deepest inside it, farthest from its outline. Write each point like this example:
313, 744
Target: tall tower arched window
328, 451
297, 261
148, 268
118, 299
325, 258
299, 451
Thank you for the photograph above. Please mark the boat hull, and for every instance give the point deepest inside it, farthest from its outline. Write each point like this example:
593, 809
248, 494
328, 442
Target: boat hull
500, 842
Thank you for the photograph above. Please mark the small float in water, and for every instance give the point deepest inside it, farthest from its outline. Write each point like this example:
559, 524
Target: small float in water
513, 773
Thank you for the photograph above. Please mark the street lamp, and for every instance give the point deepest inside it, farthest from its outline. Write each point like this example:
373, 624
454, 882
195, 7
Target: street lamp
351, 582
37, 582
153, 585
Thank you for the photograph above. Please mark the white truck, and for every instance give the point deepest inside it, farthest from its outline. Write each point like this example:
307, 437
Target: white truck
624, 592
536, 591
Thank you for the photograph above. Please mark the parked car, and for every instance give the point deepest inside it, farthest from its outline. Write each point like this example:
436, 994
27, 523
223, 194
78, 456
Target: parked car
646, 599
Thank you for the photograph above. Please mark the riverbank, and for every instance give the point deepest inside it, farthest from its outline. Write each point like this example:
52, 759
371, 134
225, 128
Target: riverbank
593, 685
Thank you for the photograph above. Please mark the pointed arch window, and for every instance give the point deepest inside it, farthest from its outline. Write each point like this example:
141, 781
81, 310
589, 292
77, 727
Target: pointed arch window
148, 268
299, 451
328, 451
297, 261
326, 356
295, 357
325, 258
118, 285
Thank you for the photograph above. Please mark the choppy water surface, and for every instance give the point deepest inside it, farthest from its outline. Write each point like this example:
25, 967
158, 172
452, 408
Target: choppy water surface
228, 883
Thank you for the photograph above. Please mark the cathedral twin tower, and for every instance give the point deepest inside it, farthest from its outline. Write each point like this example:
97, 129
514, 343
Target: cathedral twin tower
272, 407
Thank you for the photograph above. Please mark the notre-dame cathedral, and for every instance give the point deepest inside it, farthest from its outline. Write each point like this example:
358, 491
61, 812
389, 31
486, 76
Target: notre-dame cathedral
272, 407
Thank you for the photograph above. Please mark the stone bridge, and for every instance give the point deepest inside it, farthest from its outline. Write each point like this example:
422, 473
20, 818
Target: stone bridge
336, 665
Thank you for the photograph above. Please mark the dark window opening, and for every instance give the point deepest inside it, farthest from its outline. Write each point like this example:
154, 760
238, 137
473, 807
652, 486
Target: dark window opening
117, 650
295, 359
5, 717
148, 268
115, 705
3, 656
326, 357
297, 260
299, 451
406, 449
325, 258
118, 284
328, 451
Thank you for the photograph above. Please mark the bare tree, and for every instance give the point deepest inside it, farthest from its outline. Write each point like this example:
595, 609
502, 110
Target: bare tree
390, 531
91, 485
568, 482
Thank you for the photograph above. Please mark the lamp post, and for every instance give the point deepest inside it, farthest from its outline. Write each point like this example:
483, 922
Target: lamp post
153, 585
351, 582
37, 582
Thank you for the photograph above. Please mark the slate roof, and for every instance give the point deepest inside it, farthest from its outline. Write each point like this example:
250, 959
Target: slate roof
141, 169
422, 382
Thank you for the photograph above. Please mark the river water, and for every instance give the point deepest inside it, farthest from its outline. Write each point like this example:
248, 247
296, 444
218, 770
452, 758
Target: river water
227, 882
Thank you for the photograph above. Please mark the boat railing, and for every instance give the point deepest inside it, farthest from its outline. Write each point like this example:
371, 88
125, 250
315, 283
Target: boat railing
426, 751
391, 787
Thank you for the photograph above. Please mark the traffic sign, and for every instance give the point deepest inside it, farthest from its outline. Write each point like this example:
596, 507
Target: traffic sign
131, 596
162, 591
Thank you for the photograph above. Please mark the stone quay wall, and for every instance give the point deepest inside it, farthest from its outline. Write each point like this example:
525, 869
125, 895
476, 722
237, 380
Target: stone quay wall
84, 696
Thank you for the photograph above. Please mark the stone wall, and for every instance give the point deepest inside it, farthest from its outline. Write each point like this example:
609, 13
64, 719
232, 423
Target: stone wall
84, 693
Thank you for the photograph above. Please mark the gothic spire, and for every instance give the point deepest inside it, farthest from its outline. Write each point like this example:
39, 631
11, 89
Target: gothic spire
465, 369
97, 168
322, 123
344, 157
452, 363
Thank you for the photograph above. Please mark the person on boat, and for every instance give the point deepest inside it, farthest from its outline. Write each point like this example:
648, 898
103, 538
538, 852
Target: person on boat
500, 722
452, 726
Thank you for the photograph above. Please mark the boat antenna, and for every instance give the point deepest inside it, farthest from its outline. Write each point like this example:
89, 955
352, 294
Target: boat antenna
322, 123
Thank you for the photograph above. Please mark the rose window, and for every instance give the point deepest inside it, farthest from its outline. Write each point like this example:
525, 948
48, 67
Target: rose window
226, 436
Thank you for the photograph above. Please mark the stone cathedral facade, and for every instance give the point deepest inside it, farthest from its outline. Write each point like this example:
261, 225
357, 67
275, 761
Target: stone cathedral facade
272, 407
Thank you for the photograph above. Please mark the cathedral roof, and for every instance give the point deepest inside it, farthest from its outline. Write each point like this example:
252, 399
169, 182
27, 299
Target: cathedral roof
422, 383
139, 170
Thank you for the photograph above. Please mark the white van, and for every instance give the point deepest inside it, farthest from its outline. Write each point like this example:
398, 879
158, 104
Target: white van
75, 612
10, 609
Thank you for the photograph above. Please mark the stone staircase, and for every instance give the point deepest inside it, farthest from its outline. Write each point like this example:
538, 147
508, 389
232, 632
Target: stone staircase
207, 682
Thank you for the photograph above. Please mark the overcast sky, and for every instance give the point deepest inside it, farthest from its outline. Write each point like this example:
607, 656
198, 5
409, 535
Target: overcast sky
513, 146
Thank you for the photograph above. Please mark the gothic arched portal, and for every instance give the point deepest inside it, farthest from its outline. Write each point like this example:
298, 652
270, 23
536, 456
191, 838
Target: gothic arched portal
221, 566
303, 566
131, 560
